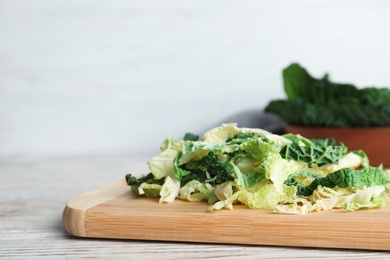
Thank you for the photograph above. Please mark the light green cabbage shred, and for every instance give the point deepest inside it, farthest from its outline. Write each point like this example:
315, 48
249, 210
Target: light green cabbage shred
231, 165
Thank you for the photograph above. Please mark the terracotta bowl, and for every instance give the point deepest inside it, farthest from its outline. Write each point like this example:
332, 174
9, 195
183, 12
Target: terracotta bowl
374, 141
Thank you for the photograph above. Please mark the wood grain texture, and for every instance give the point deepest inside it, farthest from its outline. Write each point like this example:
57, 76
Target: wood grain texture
113, 212
74, 212
34, 191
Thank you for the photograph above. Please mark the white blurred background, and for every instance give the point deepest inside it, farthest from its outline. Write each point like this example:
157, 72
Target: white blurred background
92, 77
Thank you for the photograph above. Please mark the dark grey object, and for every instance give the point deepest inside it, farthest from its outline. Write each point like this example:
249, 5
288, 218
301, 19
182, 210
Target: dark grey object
256, 118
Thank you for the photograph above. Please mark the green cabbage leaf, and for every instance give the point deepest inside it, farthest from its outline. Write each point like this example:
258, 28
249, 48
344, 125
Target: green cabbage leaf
321, 102
289, 174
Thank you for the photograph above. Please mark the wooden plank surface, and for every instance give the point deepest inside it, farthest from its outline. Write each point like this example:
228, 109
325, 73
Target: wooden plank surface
113, 212
34, 191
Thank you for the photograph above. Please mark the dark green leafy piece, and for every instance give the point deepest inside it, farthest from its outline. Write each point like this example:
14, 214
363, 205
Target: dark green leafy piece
208, 169
136, 182
315, 151
292, 180
131, 180
343, 178
320, 102
190, 137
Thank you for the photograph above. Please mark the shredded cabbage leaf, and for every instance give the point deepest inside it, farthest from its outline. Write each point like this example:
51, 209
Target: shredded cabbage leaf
288, 174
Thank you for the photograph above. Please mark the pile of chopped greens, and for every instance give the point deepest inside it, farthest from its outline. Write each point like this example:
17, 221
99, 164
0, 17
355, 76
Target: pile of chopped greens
320, 102
288, 173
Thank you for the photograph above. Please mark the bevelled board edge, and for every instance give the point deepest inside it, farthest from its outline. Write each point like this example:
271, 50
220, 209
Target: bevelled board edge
74, 212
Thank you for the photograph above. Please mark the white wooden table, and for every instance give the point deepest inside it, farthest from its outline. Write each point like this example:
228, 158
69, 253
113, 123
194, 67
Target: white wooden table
34, 191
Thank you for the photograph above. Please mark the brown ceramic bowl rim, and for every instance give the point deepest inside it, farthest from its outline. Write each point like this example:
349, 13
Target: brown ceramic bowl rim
384, 128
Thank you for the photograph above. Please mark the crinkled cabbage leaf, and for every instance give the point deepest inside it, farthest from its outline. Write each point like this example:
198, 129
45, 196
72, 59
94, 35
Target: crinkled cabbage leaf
288, 173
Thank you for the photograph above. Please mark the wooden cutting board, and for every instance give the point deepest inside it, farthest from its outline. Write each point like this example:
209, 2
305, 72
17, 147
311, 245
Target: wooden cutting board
114, 212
